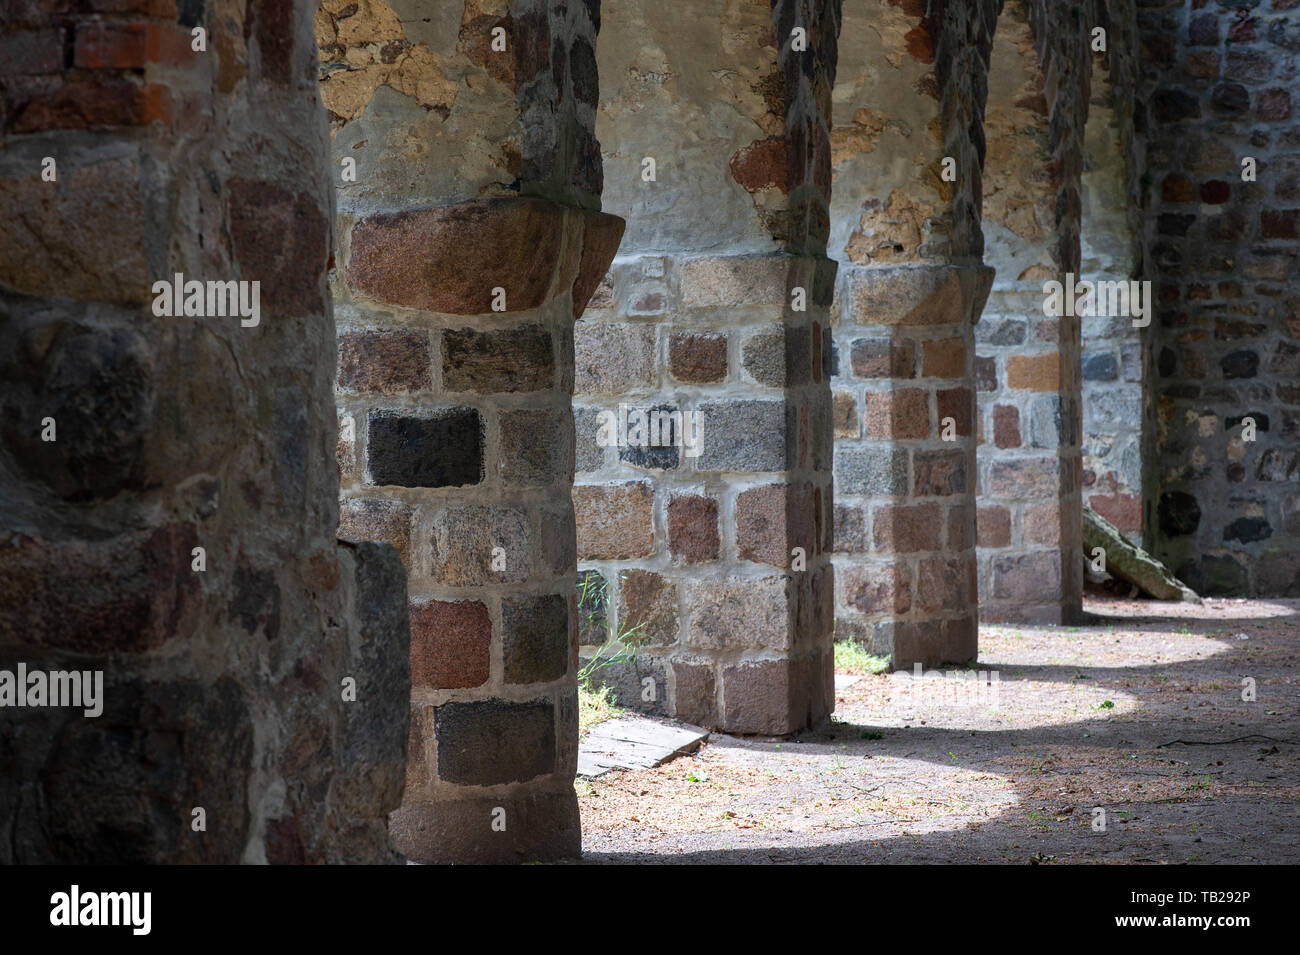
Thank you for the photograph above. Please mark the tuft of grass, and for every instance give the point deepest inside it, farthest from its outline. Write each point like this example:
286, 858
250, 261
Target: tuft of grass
594, 706
851, 657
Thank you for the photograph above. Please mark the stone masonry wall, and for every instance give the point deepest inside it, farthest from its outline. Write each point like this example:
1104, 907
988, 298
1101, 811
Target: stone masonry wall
716, 309
1221, 82
175, 530
905, 226
469, 242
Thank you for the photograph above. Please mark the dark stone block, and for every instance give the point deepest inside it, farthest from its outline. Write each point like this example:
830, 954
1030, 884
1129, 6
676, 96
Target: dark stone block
376, 726
1247, 530
1204, 29
507, 360
660, 452
1171, 105
535, 634
628, 689
488, 742
1216, 577
1230, 99
1100, 368
442, 450
1240, 364
1178, 513
119, 789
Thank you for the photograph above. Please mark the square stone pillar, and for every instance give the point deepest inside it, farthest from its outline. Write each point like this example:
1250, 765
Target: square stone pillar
904, 461
455, 374
717, 548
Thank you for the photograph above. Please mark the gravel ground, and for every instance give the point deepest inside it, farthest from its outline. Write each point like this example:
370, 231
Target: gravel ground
1013, 770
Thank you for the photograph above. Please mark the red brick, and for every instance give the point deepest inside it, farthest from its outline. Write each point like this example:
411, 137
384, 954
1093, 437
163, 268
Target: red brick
450, 644
898, 414
993, 525
1006, 426
387, 361
693, 528
89, 103
1122, 510
880, 358
1215, 192
693, 693
1279, 223
762, 165
281, 239
961, 528
1176, 188
773, 520
649, 603
1042, 524
697, 359
944, 358
770, 698
877, 589
958, 404
905, 529
1274, 106
942, 584
131, 46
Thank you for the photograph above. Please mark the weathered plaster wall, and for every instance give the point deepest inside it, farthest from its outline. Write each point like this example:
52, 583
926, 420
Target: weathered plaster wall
223, 685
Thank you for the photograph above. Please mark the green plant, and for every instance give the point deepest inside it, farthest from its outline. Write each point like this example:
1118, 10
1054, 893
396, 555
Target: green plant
593, 598
853, 658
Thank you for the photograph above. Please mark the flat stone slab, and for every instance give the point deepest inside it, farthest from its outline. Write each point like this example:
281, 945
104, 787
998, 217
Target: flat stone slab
635, 742
845, 680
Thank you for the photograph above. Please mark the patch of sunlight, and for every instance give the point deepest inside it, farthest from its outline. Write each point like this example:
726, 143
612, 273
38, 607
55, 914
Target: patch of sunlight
984, 704
1094, 648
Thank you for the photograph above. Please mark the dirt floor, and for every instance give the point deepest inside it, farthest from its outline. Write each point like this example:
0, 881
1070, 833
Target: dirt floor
1019, 770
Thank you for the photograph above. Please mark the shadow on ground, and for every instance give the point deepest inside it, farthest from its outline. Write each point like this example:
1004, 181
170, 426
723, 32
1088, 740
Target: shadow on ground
1080, 719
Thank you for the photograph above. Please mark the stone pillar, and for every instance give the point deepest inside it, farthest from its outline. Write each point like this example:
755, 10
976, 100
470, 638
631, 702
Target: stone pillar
1027, 362
469, 241
167, 485
717, 310
905, 224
